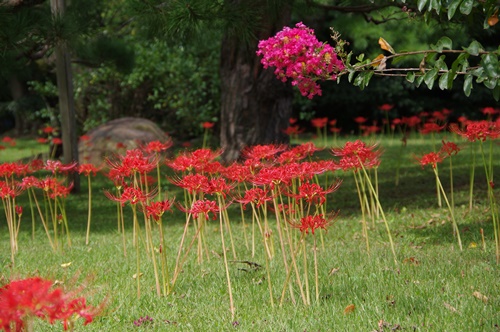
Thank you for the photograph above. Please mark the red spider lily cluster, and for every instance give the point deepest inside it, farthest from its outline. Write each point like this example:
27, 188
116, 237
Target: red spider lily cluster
23, 300
299, 56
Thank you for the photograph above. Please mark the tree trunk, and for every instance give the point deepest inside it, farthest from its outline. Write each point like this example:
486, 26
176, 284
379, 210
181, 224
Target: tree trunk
255, 105
66, 101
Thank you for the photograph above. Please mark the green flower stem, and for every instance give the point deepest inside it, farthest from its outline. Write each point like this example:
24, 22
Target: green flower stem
232, 309
43, 219
289, 272
471, 178
137, 252
381, 212
306, 273
89, 215
316, 279
488, 169
163, 257
455, 225
363, 216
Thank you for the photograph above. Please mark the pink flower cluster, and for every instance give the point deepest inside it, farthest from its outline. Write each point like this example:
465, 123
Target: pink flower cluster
297, 54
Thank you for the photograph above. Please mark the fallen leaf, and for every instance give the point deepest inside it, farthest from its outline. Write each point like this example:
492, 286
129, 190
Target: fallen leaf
473, 245
333, 271
385, 45
411, 261
135, 275
349, 309
480, 296
450, 307
66, 264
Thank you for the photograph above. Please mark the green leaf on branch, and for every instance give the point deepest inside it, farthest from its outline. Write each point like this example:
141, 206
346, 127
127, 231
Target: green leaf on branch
443, 81
442, 44
436, 5
466, 7
474, 48
430, 77
468, 84
419, 80
491, 83
421, 4
452, 8
496, 92
363, 79
410, 77
490, 64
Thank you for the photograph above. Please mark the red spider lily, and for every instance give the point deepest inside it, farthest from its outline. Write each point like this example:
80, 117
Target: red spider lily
36, 165
293, 130
202, 207
236, 172
132, 195
35, 297
42, 140
431, 127
57, 141
116, 176
313, 193
213, 167
88, 169
273, 176
193, 183
155, 210
134, 161
19, 210
431, 158
298, 153
157, 146
449, 148
369, 130
120, 145
55, 166
462, 119
311, 223
262, 152
207, 125
386, 107
360, 119
489, 110
319, 122
478, 130
9, 191
355, 155
219, 186
446, 111
308, 169
335, 130
48, 130
411, 121
9, 140
15, 168
397, 121
54, 188
29, 182
194, 160
84, 138
257, 196
292, 120
439, 116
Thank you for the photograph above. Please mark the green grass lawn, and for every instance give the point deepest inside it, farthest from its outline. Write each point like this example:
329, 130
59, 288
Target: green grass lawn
433, 287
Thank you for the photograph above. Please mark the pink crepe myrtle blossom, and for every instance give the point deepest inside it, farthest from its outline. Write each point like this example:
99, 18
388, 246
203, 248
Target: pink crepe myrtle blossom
298, 55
